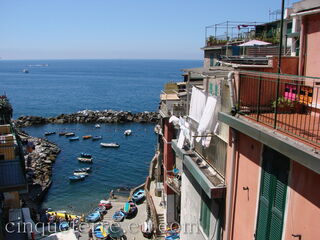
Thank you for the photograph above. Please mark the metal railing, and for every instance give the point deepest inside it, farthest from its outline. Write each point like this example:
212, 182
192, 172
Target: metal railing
288, 103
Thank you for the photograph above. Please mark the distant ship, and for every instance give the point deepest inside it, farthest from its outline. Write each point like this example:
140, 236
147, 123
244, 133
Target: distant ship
25, 70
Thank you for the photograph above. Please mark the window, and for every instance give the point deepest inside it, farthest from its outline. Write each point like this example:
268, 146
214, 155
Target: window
205, 216
289, 27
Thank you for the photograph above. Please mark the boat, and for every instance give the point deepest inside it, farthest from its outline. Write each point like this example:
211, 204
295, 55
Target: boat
85, 160
85, 155
69, 134
118, 216
80, 173
62, 133
95, 138
87, 169
25, 70
101, 209
100, 232
73, 139
130, 209
110, 145
76, 178
93, 217
64, 226
49, 133
127, 132
97, 126
86, 137
106, 203
138, 196
62, 214
147, 228
114, 231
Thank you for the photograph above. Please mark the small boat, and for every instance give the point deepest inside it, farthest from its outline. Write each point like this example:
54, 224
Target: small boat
69, 134
64, 226
97, 126
95, 138
80, 173
138, 196
73, 139
127, 132
86, 137
85, 160
62, 214
110, 145
25, 70
106, 203
85, 155
118, 216
93, 217
130, 209
49, 133
114, 231
101, 209
147, 228
62, 133
100, 232
87, 169
76, 178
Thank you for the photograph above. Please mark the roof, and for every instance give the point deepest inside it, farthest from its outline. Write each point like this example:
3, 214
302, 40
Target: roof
12, 176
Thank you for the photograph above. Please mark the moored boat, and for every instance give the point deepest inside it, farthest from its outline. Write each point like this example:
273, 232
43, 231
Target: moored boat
86, 137
87, 169
76, 178
118, 216
85, 160
25, 70
127, 132
110, 145
73, 139
95, 138
85, 155
97, 126
138, 196
93, 217
80, 173
69, 134
62, 133
49, 133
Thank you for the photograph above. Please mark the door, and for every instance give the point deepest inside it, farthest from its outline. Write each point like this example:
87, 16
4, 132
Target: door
273, 191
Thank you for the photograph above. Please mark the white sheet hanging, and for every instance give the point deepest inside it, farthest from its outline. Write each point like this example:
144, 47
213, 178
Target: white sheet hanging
197, 104
181, 140
208, 120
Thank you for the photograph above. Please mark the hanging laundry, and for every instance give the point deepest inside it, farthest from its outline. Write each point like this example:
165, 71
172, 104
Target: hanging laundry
197, 104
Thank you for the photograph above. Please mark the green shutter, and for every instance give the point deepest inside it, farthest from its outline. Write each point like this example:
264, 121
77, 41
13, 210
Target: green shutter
205, 217
272, 199
211, 60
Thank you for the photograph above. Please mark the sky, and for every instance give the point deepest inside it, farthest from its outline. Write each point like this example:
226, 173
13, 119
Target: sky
117, 29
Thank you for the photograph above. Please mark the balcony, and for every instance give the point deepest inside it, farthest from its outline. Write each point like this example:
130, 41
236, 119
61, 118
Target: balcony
173, 180
288, 103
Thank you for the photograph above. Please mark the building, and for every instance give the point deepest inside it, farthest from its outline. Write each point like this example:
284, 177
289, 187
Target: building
239, 150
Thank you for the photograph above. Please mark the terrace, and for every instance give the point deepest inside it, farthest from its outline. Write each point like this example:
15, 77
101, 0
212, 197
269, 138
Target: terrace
288, 103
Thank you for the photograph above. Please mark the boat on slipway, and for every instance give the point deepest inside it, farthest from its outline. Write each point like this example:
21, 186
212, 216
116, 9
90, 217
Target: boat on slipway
110, 145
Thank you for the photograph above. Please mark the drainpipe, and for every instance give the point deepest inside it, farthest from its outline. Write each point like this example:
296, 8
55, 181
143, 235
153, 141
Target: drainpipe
231, 87
230, 187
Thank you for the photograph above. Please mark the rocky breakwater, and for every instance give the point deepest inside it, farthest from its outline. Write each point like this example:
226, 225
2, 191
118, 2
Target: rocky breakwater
38, 168
90, 116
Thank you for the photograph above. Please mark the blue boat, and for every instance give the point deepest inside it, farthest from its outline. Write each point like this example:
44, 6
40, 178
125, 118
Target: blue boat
95, 138
138, 195
73, 139
77, 178
93, 217
64, 226
101, 209
118, 216
100, 232
85, 155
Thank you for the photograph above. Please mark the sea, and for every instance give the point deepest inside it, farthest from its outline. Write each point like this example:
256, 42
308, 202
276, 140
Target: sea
53, 87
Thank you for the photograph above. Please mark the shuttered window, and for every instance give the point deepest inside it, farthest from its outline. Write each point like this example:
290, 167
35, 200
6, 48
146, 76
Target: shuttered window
205, 217
274, 179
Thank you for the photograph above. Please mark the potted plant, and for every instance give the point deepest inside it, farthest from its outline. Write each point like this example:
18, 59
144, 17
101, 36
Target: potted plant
286, 105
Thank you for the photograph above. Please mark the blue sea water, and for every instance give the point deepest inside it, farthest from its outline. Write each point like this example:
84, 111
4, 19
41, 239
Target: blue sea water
67, 86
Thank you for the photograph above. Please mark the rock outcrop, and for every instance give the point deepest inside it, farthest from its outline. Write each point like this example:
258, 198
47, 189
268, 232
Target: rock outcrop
90, 116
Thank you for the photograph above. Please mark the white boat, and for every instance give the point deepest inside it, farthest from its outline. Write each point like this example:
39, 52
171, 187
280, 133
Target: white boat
85, 160
80, 173
97, 126
127, 132
25, 70
110, 145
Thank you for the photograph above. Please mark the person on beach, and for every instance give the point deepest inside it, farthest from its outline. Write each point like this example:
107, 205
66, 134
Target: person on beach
111, 194
90, 235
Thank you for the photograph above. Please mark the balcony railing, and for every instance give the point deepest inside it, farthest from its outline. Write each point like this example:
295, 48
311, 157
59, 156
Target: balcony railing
174, 181
288, 103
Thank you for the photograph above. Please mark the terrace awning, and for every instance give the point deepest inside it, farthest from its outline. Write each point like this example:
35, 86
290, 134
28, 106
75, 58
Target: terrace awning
254, 43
